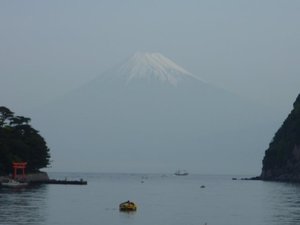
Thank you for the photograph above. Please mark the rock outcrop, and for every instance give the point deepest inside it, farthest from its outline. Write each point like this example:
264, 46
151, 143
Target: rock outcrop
32, 177
282, 158
40, 176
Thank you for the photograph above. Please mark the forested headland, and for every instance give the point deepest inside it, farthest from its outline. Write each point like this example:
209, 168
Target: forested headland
282, 158
20, 142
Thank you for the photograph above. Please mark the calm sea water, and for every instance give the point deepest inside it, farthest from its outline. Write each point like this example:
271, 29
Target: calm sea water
161, 200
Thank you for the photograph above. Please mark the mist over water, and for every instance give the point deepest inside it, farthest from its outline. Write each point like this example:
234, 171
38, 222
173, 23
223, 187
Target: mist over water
162, 199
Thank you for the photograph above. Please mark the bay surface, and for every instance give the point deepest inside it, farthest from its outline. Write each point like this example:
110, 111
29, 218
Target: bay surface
162, 199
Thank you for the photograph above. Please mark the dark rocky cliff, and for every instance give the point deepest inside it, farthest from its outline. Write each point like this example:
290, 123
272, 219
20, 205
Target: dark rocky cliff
282, 158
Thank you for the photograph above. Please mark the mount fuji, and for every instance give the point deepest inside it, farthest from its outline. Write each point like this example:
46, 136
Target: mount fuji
153, 66
148, 114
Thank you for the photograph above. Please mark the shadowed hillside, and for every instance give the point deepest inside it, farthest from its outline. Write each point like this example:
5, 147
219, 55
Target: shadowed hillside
282, 158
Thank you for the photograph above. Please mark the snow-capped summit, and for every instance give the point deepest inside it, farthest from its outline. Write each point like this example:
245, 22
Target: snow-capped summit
153, 66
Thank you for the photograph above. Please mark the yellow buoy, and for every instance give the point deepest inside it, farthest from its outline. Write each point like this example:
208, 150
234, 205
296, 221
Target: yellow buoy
127, 206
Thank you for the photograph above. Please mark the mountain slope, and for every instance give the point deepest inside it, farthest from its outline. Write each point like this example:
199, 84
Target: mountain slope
149, 114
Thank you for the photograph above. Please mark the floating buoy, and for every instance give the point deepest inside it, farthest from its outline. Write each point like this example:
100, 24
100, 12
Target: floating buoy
128, 206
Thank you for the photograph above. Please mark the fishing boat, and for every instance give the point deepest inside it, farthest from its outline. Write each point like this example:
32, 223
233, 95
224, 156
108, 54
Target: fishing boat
181, 173
13, 183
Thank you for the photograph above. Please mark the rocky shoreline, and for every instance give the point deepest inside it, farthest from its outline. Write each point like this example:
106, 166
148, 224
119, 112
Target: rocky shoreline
43, 178
281, 178
284, 178
32, 177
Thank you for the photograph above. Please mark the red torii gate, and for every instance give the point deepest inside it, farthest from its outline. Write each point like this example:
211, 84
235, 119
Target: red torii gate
19, 165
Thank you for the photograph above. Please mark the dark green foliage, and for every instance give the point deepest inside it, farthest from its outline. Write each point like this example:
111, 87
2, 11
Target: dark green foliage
279, 156
20, 142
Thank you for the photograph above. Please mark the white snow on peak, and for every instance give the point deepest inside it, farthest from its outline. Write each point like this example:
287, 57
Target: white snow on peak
154, 66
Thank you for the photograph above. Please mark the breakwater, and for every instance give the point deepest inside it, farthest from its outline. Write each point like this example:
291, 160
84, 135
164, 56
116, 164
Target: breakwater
66, 182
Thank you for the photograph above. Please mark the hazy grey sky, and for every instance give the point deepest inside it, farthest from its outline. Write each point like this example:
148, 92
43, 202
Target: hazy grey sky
249, 47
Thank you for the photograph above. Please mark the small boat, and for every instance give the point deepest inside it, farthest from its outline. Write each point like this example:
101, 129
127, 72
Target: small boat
181, 173
127, 206
13, 183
